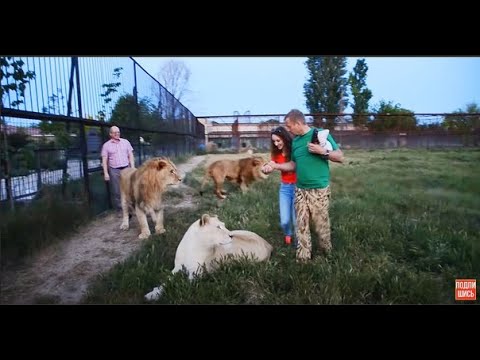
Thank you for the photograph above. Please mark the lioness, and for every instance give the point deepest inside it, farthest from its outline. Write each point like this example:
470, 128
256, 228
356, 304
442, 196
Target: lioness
243, 171
207, 241
142, 189
199, 245
246, 243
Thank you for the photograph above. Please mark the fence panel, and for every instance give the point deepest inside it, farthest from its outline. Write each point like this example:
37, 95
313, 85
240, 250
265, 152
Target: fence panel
54, 124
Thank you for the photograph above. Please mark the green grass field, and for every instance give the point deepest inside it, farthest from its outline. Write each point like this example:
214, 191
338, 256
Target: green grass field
405, 225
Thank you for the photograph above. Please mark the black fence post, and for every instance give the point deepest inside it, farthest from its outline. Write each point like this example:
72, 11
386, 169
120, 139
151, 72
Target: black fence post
83, 140
137, 111
39, 170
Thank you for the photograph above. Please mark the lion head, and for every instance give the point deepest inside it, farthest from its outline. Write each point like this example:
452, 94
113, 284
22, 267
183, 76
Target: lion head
163, 169
257, 164
199, 243
212, 231
156, 174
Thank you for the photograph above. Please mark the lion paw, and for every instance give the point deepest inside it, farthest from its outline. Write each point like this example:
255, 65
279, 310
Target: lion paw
143, 236
124, 226
159, 230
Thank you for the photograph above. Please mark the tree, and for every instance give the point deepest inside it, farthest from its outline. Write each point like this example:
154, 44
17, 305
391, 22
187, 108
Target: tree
13, 69
326, 88
16, 81
392, 117
464, 123
361, 94
125, 113
110, 89
174, 76
21, 152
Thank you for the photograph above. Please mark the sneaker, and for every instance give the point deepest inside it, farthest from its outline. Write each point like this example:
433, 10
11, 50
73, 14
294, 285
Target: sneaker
288, 239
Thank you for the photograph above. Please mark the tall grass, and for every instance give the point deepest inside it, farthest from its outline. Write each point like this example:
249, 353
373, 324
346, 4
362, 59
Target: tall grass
35, 225
405, 225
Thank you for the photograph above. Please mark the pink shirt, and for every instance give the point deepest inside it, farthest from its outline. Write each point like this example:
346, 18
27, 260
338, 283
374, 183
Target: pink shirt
117, 152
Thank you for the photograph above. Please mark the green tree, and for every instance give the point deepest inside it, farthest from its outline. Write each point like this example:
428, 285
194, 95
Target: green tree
390, 117
110, 89
16, 81
21, 152
58, 129
125, 114
326, 87
360, 93
464, 123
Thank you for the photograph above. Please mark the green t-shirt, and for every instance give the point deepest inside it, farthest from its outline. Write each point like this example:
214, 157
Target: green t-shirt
312, 170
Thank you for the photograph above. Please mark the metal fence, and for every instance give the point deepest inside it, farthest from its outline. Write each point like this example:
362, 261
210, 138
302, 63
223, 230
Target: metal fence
52, 129
378, 131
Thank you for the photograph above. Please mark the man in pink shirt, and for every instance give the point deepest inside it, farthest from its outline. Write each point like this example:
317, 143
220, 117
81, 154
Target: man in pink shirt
117, 154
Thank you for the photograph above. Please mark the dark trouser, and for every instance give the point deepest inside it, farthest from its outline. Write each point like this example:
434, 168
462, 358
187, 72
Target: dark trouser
115, 187
312, 204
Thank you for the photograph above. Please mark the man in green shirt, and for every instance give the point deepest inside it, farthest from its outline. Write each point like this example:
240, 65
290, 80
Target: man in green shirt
312, 194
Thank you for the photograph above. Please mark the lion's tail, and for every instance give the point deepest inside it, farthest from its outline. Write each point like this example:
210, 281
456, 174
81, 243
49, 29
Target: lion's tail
206, 177
155, 294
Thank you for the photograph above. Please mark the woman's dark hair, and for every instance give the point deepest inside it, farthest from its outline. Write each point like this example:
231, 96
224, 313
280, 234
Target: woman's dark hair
282, 133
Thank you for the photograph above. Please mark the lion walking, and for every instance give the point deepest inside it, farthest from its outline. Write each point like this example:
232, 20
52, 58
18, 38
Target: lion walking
142, 189
243, 171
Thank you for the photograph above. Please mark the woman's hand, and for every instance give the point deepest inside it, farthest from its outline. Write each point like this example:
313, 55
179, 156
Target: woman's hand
267, 169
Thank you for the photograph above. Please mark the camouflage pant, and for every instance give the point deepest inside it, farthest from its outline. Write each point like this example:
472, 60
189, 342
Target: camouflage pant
312, 204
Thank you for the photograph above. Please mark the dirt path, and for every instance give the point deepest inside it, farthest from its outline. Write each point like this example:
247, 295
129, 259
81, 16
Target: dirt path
62, 272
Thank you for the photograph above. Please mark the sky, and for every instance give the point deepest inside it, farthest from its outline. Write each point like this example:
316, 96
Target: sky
274, 85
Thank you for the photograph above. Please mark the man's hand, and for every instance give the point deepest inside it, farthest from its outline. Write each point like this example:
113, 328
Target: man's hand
316, 149
106, 177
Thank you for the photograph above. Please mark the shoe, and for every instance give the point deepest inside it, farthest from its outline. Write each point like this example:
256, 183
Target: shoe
288, 239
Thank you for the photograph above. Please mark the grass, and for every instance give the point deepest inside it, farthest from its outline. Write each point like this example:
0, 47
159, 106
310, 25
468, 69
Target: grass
51, 216
33, 226
405, 225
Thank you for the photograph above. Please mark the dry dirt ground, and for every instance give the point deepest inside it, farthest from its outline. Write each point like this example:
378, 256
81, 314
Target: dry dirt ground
61, 273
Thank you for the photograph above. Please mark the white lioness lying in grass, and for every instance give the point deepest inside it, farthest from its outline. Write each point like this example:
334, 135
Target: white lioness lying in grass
207, 241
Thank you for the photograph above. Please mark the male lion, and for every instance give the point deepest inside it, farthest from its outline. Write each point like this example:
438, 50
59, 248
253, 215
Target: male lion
142, 189
243, 171
207, 241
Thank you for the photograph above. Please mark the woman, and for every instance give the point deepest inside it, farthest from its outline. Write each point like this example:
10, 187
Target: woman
281, 147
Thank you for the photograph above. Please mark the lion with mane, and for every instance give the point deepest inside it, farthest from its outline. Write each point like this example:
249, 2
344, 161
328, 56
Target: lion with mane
243, 171
142, 190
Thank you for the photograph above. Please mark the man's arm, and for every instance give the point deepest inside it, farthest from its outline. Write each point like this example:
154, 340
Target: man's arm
105, 168
335, 155
289, 166
131, 158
